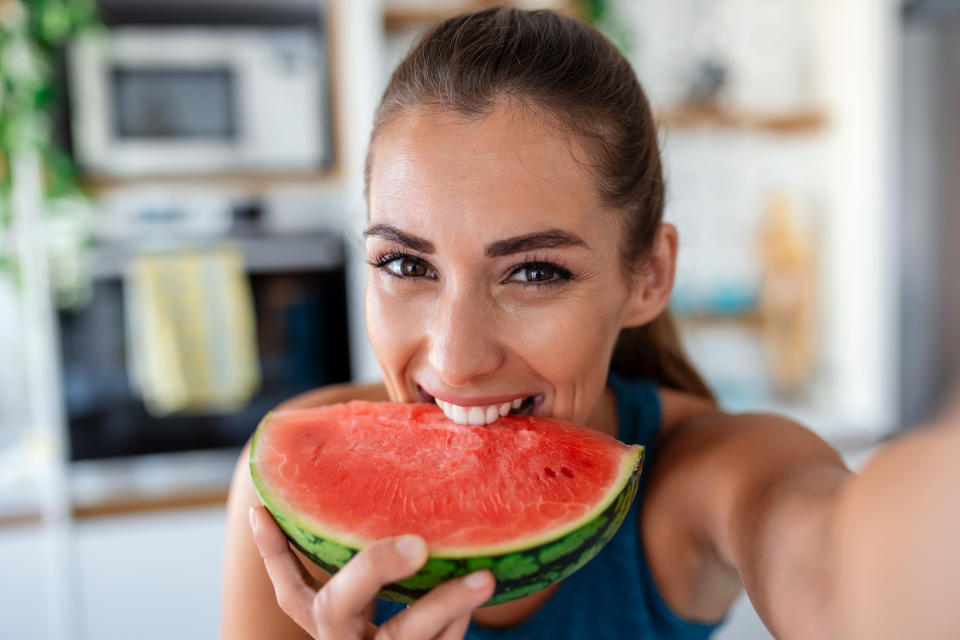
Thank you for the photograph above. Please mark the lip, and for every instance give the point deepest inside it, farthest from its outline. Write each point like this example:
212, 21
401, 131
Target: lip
464, 401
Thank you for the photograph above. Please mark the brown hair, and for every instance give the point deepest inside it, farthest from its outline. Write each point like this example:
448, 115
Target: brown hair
568, 72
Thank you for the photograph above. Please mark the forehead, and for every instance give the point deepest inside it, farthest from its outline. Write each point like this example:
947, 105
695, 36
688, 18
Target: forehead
506, 172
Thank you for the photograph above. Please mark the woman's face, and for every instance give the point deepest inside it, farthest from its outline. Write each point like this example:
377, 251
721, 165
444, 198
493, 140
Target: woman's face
496, 276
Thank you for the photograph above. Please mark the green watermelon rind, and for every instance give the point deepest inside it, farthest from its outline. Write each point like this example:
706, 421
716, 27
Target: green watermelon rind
520, 569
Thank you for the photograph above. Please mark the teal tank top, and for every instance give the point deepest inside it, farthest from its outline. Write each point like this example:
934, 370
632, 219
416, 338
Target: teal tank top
614, 595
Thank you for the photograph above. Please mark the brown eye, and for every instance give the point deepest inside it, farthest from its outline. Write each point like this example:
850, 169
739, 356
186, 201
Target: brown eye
408, 267
540, 273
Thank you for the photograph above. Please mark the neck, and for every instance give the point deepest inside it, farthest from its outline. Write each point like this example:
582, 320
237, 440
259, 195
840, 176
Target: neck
604, 417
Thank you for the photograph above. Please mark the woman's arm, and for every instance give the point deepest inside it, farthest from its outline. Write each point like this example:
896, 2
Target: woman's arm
754, 496
250, 609
898, 540
824, 553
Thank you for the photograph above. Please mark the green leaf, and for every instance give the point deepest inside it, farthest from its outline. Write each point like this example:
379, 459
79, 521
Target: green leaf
29, 42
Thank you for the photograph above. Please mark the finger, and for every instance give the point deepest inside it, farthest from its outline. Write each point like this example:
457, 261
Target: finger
353, 587
456, 629
299, 562
442, 611
294, 594
275, 536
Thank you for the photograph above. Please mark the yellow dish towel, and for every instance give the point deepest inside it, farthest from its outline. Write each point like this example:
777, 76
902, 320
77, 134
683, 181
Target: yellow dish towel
191, 333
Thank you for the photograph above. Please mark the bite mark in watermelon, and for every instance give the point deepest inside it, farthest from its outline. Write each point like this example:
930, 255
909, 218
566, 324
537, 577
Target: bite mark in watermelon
530, 498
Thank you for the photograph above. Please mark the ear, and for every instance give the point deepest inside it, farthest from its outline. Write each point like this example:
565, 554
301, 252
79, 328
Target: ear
652, 285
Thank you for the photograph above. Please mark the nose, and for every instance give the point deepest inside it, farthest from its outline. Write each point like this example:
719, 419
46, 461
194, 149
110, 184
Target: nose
463, 341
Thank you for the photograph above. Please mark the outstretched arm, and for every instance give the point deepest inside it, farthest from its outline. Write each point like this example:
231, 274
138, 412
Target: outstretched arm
824, 553
756, 493
897, 538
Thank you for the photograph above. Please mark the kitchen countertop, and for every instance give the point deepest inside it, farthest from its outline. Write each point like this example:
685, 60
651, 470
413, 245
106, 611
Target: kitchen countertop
142, 483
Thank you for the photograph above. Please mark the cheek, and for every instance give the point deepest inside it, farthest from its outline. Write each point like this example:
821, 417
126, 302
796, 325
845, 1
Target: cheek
393, 326
388, 327
570, 344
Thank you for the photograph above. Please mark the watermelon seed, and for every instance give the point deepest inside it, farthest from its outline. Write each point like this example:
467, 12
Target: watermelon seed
549, 472
566, 472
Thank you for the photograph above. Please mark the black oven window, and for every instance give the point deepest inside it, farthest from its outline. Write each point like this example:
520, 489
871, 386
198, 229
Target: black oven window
302, 341
154, 102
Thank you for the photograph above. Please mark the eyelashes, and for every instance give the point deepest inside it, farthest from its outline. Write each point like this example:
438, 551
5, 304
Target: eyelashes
532, 272
402, 265
544, 274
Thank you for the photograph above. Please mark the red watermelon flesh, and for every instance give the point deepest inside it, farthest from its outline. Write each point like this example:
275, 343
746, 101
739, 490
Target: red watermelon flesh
363, 471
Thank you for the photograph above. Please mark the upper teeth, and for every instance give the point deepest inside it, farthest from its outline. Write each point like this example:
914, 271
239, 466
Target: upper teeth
477, 415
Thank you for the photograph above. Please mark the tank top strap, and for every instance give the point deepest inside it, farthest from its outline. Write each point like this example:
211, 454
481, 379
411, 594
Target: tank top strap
640, 416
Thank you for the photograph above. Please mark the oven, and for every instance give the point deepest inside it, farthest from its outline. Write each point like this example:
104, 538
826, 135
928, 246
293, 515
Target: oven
298, 291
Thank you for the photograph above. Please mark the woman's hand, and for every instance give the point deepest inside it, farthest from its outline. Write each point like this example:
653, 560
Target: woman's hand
337, 609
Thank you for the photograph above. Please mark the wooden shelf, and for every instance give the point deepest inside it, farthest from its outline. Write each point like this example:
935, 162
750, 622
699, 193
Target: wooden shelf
802, 121
401, 18
395, 17
30, 518
752, 321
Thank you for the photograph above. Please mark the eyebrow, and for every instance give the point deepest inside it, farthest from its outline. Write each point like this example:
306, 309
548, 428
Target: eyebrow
536, 240
408, 240
549, 239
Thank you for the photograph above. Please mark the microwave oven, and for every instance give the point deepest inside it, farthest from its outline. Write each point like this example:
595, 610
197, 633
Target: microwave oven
151, 100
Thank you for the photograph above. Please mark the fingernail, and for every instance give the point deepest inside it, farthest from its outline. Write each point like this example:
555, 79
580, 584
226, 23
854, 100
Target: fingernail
477, 580
411, 547
253, 520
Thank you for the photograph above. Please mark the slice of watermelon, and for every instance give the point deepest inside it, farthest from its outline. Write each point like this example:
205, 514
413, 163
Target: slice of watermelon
530, 498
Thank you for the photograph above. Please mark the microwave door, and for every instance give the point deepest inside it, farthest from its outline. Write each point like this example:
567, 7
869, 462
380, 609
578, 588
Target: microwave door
170, 104
174, 119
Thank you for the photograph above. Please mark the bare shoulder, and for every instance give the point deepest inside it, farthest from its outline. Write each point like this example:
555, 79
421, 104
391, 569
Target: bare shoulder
677, 407
696, 425
250, 609
372, 391
704, 451
249, 605
711, 474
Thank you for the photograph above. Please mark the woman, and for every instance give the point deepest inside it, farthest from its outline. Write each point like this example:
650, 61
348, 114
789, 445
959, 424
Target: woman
517, 251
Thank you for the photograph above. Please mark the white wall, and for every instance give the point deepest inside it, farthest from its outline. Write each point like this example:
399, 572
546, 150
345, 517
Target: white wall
842, 57
858, 51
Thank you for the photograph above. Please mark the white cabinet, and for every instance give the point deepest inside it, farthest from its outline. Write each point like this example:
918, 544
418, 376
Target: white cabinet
22, 595
151, 576
145, 576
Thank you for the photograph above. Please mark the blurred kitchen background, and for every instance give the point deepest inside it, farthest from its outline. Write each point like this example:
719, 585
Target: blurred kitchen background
180, 208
